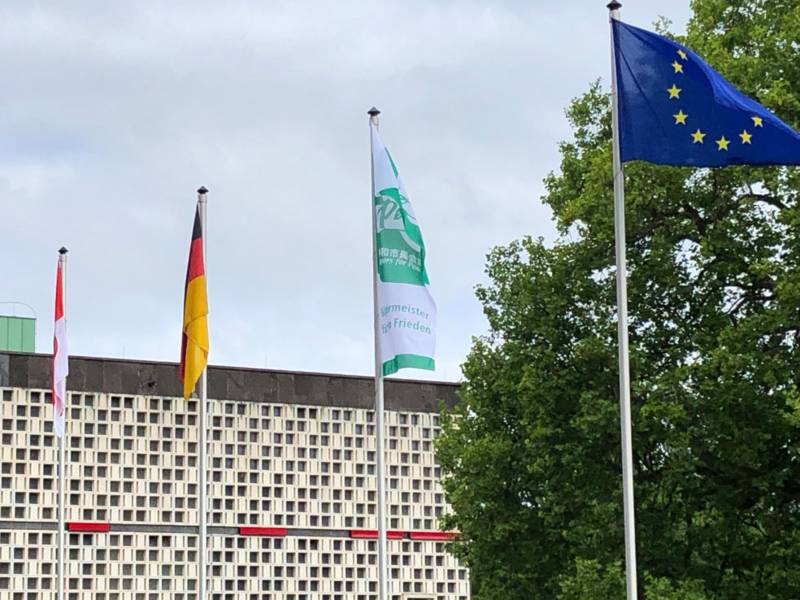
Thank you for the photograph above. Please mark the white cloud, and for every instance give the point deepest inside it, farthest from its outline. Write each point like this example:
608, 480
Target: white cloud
114, 113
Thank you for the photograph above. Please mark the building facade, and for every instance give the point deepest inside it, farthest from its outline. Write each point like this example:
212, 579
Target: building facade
291, 485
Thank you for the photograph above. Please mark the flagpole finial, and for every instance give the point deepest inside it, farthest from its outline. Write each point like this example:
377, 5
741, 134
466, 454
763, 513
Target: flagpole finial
373, 112
202, 190
614, 5
63, 250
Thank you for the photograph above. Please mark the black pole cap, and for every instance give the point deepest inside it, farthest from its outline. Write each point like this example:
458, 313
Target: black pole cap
202, 190
614, 5
373, 112
63, 250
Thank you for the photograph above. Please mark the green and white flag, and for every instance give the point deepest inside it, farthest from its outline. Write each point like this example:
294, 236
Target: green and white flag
406, 310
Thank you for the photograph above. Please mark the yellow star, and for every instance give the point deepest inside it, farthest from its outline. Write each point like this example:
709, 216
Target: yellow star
745, 136
682, 54
697, 137
677, 66
722, 143
674, 92
758, 121
680, 118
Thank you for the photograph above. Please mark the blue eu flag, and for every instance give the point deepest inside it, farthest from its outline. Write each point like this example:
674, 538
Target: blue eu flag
676, 110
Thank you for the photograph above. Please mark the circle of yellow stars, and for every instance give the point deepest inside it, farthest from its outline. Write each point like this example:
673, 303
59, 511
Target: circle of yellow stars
698, 137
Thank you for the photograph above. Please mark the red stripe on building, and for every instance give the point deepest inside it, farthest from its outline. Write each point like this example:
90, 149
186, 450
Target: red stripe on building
268, 531
439, 536
88, 527
372, 534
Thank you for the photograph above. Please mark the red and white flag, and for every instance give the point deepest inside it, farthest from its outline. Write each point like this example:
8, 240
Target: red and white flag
60, 358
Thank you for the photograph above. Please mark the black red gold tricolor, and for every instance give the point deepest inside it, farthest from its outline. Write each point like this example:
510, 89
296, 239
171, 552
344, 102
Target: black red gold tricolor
194, 341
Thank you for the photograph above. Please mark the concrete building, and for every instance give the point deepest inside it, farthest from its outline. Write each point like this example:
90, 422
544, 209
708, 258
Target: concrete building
292, 502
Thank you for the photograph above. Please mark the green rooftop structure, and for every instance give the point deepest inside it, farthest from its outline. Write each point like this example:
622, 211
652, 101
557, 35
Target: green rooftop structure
17, 334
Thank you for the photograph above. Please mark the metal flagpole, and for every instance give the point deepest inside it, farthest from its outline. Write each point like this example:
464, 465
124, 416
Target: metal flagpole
622, 330
62, 442
383, 580
202, 411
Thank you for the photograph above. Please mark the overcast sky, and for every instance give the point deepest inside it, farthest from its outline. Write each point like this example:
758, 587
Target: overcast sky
113, 114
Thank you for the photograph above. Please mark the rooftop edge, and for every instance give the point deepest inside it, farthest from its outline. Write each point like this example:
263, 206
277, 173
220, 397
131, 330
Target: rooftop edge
244, 384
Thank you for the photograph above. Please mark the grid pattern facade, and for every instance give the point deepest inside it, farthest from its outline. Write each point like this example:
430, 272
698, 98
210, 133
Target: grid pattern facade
132, 462
154, 566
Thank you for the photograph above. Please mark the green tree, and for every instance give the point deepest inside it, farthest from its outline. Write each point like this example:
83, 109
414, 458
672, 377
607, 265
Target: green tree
531, 457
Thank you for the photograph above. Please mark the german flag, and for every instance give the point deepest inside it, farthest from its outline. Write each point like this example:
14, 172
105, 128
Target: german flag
194, 342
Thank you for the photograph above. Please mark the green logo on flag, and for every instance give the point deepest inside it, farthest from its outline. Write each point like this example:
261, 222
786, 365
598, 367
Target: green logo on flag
401, 251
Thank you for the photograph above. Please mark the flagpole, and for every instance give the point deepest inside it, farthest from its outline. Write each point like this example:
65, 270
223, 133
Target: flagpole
383, 579
622, 330
62, 441
202, 410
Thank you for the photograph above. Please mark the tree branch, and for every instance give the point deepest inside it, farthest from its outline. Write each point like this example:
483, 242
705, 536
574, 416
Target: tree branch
766, 198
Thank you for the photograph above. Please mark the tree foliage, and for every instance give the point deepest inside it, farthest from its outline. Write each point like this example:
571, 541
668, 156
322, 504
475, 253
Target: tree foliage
531, 457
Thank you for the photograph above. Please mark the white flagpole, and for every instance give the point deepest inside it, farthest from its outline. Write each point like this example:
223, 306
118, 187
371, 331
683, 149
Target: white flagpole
622, 330
383, 580
202, 410
62, 442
